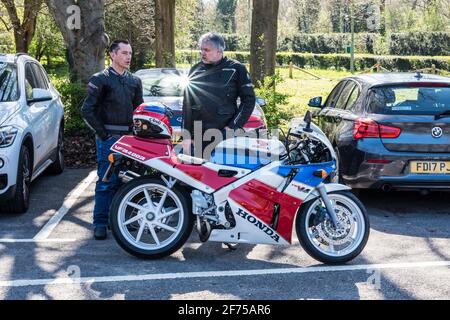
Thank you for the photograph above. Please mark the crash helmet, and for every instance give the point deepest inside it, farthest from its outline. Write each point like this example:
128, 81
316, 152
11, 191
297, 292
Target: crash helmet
152, 120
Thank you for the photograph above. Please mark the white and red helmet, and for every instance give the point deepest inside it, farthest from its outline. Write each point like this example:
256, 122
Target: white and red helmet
152, 120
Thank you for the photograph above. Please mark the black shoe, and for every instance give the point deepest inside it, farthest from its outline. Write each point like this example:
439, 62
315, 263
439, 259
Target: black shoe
100, 233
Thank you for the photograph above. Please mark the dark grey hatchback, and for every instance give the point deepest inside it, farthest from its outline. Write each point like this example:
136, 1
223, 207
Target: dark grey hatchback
390, 130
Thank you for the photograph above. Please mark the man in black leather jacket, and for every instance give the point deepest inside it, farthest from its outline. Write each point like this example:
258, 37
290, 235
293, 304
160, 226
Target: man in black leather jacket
210, 99
113, 94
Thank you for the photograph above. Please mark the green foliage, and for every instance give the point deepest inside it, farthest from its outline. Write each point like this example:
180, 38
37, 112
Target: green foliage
331, 42
308, 13
134, 22
412, 43
72, 95
275, 114
334, 61
420, 43
226, 10
236, 42
48, 42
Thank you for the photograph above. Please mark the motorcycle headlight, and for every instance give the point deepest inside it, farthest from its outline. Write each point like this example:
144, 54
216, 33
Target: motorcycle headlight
7, 136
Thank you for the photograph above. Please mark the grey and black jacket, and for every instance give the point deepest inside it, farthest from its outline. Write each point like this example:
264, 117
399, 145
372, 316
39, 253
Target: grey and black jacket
212, 94
112, 98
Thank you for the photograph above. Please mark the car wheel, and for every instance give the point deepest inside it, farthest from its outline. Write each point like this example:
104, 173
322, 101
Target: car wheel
21, 200
58, 166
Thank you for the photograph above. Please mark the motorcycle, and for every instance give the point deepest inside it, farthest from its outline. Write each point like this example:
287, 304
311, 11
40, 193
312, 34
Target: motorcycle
253, 191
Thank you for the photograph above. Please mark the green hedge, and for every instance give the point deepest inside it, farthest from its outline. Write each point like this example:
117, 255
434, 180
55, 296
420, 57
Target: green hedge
408, 43
420, 43
336, 61
332, 43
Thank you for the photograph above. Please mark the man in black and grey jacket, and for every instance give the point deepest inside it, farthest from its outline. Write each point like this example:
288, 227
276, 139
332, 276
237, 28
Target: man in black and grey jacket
113, 94
210, 99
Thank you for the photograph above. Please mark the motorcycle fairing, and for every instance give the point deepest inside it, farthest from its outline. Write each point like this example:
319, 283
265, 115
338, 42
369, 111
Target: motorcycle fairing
270, 206
248, 229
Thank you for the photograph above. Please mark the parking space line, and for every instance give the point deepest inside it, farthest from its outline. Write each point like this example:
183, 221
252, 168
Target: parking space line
216, 274
36, 241
69, 201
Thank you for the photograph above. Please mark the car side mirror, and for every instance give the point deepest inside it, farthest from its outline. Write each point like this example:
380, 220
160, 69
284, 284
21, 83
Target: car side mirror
261, 102
315, 102
40, 95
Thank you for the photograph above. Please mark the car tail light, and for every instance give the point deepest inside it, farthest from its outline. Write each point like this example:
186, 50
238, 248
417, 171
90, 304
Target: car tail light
368, 128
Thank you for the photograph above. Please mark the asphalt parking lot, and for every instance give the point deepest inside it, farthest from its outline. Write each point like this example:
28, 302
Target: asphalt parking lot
49, 253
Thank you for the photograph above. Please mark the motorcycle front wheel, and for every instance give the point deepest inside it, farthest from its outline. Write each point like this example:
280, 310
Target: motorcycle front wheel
150, 220
325, 243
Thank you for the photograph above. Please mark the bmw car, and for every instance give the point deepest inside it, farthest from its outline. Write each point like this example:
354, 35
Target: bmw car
166, 86
390, 130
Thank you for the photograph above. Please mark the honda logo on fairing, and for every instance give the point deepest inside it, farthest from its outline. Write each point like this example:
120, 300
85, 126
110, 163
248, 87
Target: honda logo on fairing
437, 132
267, 230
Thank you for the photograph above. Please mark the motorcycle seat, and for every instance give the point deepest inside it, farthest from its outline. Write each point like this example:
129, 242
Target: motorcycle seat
190, 160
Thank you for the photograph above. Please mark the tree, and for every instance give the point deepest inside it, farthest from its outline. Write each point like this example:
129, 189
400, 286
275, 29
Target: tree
48, 41
82, 25
165, 33
133, 20
263, 39
226, 13
308, 15
23, 30
188, 29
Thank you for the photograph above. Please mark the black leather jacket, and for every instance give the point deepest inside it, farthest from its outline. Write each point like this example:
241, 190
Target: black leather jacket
112, 98
212, 94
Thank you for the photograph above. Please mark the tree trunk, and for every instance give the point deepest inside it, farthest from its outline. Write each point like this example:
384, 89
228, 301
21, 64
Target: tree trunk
165, 33
23, 31
87, 41
263, 39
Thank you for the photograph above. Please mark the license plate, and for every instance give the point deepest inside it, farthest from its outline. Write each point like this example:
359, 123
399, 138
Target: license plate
430, 167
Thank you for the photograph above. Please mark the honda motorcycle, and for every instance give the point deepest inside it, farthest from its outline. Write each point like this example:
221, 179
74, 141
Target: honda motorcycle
254, 191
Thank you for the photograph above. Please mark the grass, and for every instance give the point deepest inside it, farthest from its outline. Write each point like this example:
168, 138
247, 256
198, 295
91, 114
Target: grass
303, 87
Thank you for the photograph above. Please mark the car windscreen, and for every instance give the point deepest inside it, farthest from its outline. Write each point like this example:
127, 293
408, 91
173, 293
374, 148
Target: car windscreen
429, 99
164, 84
8, 83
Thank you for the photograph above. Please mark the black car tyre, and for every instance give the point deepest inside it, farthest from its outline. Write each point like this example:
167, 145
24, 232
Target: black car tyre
58, 166
21, 200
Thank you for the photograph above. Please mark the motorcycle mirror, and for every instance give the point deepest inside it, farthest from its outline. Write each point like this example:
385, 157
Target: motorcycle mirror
308, 119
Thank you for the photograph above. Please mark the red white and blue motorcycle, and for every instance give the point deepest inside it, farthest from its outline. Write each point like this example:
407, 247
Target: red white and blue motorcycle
251, 191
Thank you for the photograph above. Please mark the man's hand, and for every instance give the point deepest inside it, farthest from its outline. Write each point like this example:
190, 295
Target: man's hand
187, 144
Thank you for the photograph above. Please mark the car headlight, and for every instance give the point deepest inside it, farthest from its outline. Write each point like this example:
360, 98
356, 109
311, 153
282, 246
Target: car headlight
7, 136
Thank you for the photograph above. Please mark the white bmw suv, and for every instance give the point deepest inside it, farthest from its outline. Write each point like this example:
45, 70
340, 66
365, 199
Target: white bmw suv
31, 129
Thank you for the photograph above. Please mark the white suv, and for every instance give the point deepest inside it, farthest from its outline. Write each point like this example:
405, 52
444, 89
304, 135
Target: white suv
31, 129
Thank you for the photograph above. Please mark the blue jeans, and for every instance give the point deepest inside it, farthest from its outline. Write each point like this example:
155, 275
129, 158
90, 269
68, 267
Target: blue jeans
104, 192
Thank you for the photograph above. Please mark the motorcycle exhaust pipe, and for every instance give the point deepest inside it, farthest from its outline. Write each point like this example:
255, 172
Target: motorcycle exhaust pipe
128, 176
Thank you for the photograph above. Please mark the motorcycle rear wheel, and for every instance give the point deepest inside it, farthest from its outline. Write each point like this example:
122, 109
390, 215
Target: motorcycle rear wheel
321, 240
150, 220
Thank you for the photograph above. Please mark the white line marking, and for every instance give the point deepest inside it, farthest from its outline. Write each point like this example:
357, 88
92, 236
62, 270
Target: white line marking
212, 274
69, 201
36, 241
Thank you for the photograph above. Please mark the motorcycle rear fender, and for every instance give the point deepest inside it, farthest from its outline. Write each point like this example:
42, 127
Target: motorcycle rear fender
329, 187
